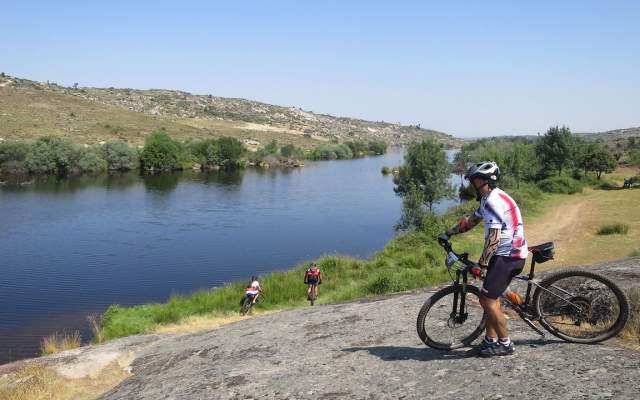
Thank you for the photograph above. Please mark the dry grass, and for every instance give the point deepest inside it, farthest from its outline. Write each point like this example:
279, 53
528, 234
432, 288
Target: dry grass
40, 383
95, 322
60, 342
201, 323
572, 223
632, 329
28, 114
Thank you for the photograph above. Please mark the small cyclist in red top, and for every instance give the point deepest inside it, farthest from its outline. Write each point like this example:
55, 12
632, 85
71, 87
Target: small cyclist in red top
312, 277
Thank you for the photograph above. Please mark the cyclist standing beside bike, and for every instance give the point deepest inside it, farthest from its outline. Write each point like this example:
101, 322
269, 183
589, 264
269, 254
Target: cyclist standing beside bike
312, 277
504, 254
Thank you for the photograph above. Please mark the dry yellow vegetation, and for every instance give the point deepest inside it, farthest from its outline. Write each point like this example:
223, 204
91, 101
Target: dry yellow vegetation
572, 222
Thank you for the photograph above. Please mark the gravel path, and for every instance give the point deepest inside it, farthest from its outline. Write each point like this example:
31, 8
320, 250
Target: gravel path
370, 350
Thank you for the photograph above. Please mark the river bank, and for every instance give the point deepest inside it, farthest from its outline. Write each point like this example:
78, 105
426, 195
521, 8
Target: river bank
410, 261
74, 245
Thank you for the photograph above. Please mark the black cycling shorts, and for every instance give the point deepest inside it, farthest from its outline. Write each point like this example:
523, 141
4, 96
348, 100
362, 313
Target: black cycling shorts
500, 272
312, 281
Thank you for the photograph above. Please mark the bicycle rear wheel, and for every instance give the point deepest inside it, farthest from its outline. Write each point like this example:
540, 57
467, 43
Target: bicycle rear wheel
581, 306
441, 327
246, 305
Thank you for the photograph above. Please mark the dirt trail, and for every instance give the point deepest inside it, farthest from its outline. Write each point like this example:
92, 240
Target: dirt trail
573, 223
560, 226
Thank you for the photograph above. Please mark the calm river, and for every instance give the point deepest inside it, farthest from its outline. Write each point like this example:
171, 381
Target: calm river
74, 246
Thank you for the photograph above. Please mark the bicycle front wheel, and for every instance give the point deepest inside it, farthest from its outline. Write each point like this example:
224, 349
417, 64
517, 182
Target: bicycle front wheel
581, 306
444, 327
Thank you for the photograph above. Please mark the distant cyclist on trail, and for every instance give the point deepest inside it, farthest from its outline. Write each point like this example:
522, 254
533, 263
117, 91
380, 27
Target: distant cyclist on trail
504, 254
312, 277
253, 289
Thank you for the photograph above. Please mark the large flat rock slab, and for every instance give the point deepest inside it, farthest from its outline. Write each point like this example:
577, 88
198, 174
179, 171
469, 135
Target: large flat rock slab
369, 350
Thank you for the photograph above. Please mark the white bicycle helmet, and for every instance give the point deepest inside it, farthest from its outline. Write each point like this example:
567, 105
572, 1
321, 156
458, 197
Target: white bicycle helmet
487, 170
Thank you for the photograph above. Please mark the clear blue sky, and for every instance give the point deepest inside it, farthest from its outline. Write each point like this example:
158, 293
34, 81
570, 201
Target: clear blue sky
466, 68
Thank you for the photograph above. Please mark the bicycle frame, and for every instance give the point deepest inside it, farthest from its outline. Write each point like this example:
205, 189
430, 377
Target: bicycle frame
524, 310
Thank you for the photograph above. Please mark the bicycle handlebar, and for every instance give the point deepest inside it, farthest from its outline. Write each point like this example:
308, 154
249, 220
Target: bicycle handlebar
462, 257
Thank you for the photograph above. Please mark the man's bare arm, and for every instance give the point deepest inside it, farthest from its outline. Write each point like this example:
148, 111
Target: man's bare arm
490, 246
464, 225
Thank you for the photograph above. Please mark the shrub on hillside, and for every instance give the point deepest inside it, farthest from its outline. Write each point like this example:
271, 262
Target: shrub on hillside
613, 229
332, 152
231, 150
12, 156
378, 148
91, 159
119, 156
208, 152
291, 151
560, 184
160, 153
51, 154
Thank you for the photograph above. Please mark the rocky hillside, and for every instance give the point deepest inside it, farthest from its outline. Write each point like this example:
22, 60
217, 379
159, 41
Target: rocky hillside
614, 134
30, 108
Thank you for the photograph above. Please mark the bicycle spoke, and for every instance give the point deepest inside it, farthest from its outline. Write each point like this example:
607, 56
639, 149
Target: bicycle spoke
451, 330
580, 307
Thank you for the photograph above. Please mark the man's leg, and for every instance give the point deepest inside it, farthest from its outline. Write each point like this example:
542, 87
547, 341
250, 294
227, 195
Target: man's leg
496, 322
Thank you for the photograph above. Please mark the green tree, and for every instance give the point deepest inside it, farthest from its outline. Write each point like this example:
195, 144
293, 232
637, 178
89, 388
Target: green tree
13, 155
555, 149
52, 154
603, 161
160, 153
520, 163
413, 211
378, 148
425, 170
271, 148
460, 162
208, 152
231, 151
91, 159
119, 156
634, 158
584, 154
290, 151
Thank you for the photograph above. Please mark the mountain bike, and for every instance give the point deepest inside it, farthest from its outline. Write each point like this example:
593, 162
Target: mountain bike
247, 303
313, 295
573, 304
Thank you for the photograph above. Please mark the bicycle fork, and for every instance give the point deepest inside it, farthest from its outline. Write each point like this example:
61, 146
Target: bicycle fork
459, 316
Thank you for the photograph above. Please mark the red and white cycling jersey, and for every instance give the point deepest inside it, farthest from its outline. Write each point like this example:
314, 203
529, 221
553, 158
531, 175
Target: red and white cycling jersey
500, 211
253, 289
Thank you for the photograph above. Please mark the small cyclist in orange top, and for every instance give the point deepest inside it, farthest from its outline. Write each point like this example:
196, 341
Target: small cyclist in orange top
312, 277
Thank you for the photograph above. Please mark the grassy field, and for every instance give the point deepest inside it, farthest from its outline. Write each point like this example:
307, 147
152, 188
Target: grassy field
572, 222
